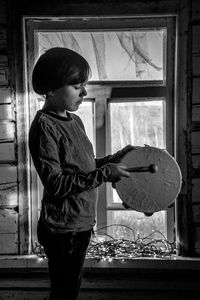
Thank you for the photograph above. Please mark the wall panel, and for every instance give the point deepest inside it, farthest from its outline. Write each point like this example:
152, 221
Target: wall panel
7, 130
7, 152
8, 194
5, 96
196, 142
196, 91
196, 190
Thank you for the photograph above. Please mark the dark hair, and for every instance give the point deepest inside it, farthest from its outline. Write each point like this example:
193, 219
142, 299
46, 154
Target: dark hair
57, 67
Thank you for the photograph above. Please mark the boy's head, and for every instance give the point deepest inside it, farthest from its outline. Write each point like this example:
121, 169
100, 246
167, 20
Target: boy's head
58, 67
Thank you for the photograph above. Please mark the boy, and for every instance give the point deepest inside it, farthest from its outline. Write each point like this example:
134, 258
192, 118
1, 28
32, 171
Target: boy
64, 159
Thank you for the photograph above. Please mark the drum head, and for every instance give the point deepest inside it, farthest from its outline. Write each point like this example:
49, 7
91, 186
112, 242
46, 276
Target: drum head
150, 192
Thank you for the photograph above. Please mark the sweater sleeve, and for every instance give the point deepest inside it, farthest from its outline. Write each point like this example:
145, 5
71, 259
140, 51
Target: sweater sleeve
114, 158
44, 149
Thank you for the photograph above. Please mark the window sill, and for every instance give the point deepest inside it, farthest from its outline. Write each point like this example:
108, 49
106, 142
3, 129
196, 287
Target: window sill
27, 275
33, 262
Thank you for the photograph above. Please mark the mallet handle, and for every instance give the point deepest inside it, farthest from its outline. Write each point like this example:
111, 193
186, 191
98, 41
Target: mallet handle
151, 168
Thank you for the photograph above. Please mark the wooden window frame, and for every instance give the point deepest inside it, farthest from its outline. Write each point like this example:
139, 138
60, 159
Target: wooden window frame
152, 88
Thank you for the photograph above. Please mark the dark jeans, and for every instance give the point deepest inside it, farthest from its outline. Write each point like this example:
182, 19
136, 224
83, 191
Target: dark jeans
66, 254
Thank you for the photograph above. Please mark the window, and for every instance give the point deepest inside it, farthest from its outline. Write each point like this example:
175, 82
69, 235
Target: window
130, 99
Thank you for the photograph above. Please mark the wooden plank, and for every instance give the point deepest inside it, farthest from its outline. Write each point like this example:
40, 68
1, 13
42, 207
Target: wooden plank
195, 10
5, 96
7, 152
24, 295
9, 243
8, 174
196, 161
196, 173
3, 69
7, 130
23, 282
6, 112
197, 240
137, 295
196, 91
3, 18
195, 39
196, 64
3, 59
196, 126
3, 75
182, 87
196, 212
3, 37
104, 282
196, 111
8, 221
103, 295
196, 190
196, 142
8, 194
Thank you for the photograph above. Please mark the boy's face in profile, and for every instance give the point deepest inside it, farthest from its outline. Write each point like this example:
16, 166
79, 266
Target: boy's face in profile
68, 97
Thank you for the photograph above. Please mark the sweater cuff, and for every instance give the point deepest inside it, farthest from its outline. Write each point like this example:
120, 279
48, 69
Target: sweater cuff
111, 173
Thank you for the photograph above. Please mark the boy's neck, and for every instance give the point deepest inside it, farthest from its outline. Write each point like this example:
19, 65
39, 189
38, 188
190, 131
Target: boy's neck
53, 110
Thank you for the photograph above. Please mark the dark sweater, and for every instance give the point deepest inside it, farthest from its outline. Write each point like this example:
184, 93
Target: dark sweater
63, 157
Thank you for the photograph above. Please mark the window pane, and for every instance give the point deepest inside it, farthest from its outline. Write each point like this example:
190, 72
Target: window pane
136, 223
137, 123
121, 55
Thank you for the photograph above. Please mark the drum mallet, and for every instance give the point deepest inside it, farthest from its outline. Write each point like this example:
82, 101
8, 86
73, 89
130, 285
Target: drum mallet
151, 168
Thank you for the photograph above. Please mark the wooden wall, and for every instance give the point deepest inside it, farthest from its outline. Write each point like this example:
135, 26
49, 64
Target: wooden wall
8, 146
14, 206
195, 120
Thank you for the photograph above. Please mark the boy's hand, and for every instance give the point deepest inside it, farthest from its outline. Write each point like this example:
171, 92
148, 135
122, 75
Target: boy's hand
122, 173
122, 170
118, 172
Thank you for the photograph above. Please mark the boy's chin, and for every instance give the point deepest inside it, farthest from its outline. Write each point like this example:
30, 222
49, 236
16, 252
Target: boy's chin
73, 109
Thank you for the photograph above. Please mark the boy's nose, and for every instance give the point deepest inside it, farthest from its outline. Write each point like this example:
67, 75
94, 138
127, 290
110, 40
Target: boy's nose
83, 92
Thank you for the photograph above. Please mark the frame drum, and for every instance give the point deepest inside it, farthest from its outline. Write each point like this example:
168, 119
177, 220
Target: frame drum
145, 191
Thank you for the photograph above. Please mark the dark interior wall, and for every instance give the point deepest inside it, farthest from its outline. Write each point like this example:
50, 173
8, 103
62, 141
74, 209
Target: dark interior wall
90, 7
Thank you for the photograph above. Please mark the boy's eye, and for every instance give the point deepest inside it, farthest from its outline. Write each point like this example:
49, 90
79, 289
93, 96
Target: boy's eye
77, 87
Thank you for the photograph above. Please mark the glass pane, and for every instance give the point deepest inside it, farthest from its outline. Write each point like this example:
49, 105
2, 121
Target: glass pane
120, 55
137, 123
86, 113
136, 224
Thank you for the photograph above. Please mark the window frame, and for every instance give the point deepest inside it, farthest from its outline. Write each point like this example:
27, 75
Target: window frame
136, 88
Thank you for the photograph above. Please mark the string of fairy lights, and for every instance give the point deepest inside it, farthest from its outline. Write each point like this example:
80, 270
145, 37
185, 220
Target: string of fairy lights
104, 247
